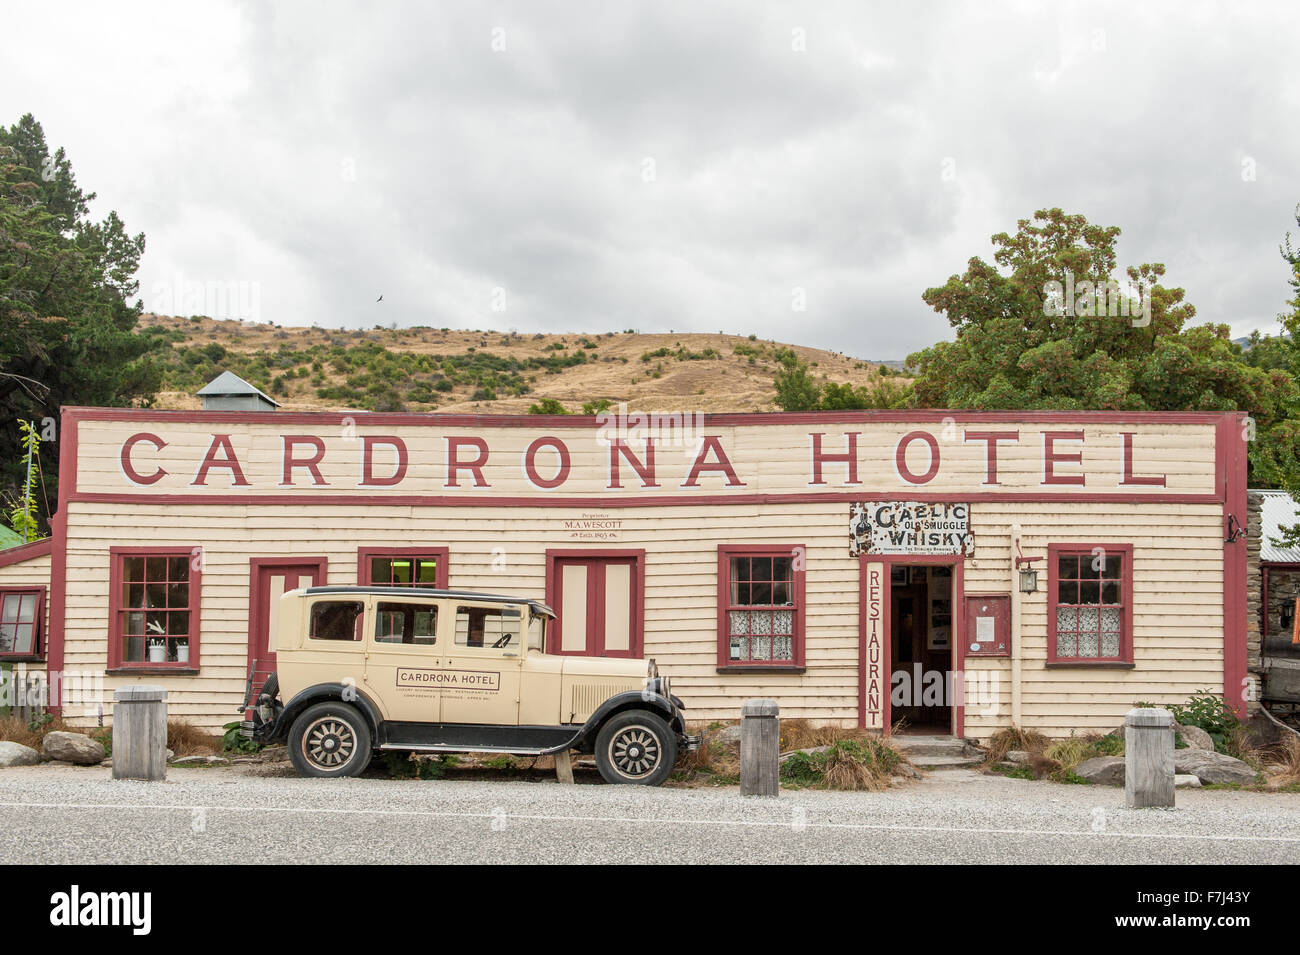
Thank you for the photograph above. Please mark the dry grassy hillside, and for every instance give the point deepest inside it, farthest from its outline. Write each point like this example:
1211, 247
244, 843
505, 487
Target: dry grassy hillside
425, 369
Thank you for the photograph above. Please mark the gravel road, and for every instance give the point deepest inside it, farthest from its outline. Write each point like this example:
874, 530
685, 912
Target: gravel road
78, 815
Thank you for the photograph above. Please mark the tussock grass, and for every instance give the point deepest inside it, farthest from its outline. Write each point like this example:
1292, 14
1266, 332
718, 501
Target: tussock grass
1004, 741
186, 739
1285, 757
802, 734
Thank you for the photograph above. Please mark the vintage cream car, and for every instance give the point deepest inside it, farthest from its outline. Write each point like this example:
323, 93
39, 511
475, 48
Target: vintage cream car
365, 669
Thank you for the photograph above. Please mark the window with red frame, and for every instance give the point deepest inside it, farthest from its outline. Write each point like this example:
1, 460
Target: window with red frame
760, 621
1090, 604
404, 570
155, 609
20, 621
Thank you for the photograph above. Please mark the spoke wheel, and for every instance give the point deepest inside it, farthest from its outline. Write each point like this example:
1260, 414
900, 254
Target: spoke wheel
329, 743
330, 739
636, 748
635, 751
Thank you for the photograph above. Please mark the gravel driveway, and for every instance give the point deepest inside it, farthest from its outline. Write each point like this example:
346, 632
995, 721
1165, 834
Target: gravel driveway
64, 814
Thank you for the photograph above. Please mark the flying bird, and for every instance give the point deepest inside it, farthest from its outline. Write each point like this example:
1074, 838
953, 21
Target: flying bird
380, 299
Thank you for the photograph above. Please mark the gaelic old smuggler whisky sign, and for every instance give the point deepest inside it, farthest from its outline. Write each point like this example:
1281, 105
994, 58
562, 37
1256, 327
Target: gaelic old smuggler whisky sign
909, 527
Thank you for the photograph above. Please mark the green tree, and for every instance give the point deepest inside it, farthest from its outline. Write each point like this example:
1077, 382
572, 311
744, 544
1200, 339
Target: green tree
796, 390
548, 406
1282, 453
1032, 332
67, 320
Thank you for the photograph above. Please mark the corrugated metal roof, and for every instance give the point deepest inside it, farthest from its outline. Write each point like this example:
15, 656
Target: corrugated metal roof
228, 383
1278, 509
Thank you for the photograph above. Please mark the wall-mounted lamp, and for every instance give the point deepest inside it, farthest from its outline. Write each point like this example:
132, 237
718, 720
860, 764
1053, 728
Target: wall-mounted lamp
1288, 613
1028, 575
1028, 580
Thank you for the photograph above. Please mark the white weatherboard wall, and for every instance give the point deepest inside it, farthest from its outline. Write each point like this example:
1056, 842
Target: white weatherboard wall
1178, 611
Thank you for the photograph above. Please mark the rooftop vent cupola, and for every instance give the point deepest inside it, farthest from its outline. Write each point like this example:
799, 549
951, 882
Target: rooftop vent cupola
229, 392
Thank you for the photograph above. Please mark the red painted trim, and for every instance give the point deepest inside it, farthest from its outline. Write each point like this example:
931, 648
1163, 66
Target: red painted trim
1126, 582
1230, 448
21, 552
59, 555
115, 555
727, 551
38, 621
729, 419
415, 550
556, 554
257, 606
649, 500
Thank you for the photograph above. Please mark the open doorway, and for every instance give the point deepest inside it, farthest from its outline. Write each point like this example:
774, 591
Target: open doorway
921, 637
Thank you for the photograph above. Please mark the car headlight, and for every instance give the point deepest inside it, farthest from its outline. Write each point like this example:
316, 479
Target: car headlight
664, 688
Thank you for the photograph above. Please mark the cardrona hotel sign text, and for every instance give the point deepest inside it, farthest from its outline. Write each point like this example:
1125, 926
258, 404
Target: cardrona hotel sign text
193, 458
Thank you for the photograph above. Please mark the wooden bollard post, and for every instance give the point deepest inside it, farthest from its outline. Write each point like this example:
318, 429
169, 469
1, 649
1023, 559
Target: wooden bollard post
760, 743
140, 733
1148, 758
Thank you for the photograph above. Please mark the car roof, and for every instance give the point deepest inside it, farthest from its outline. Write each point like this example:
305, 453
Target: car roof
536, 605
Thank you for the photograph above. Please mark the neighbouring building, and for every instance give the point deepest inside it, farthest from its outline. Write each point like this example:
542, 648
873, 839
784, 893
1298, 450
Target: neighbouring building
1274, 587
870, 568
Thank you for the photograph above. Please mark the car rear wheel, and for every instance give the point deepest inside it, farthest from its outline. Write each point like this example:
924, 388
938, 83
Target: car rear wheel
330, 739
637, 748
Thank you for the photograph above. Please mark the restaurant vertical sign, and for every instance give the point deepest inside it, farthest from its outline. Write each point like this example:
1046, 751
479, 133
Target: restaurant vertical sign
873, 651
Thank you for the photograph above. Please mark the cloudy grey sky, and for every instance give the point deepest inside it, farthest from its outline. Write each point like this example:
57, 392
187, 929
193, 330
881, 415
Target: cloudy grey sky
664, 165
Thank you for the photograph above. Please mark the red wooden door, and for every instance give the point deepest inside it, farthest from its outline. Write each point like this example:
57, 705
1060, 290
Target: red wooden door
269, 579
598, 603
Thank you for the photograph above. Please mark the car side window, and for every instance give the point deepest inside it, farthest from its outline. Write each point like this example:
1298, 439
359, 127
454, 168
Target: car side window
414, 624
336, 620
489, 627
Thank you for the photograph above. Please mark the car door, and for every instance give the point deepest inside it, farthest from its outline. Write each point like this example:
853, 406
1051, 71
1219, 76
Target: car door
483, 661
404, 657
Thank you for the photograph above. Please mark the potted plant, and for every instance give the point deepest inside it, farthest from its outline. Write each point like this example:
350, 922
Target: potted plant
157, 650
182, 651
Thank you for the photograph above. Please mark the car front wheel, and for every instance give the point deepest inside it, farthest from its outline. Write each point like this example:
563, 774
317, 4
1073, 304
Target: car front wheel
330, 739
637, 748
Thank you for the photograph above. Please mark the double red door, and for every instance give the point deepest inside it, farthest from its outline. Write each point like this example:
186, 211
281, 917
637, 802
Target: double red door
598, 603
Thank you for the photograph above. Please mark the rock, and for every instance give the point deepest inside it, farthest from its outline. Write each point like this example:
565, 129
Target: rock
807, 752
728, 734
16, 754
200, 761
1211, 767
1186, 781
73, 748
1018, 756
1105, 770
907, 770
1194, 737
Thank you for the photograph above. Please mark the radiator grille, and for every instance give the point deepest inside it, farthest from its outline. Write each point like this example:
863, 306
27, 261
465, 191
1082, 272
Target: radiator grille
587, 697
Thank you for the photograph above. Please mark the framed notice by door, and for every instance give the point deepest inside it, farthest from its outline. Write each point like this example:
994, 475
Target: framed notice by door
598, 598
